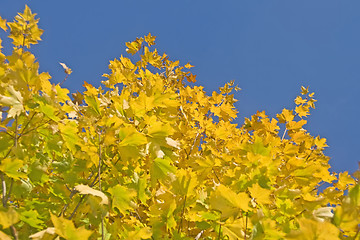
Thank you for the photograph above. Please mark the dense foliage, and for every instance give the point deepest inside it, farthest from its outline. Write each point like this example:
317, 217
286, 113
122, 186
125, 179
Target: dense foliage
149, 156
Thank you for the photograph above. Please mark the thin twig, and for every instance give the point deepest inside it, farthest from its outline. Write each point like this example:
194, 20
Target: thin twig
283, 136
64, 79
3, 183
27, 124
216, 175
182, 215
77, 206
10, 189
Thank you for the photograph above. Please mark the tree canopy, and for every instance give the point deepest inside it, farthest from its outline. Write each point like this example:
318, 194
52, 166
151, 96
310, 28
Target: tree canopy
147, 155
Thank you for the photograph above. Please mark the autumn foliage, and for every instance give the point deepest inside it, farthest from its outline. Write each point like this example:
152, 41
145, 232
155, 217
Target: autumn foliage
147, 155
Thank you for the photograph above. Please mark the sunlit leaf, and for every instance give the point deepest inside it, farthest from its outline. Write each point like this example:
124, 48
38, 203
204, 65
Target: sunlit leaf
84, 189
66, 229
8, 217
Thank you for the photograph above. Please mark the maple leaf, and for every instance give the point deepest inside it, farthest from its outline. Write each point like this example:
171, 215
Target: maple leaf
150, 39
261, 195
66, 68
11, 168
304, 90
191, 78
66, 229
188, 65
3, 24
122, 198
84, 189
135, 46
8, 217
14, 100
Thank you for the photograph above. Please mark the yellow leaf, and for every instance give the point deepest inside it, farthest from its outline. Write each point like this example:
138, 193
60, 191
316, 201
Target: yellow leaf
65, 228
293, 125
131, 137
285, 116
302, 111
344, 180
4, 236
173, 143
40, 235
11, 168
235, 230
66, 68
304, 90
228, 202
8, 217
188, 65
84, 189
135, 46
311, 229
320, 143
191, 78
3, 24
122, 198
142, 233
14, 100
299, 100
261, 195
150, 39
69, 132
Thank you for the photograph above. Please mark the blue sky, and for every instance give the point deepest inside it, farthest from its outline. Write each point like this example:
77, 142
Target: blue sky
269, 47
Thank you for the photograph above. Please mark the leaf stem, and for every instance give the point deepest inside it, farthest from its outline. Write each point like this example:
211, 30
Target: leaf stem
283, 136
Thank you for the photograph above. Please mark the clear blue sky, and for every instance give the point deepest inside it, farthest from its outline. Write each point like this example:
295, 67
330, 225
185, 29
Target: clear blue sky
269, 47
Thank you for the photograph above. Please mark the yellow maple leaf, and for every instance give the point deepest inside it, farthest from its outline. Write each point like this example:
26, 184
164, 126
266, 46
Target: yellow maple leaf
188, 65
191, 78
304, 90
261, 195
135, 46
299, 100
302, 111
285, 116
3, 24
150, 39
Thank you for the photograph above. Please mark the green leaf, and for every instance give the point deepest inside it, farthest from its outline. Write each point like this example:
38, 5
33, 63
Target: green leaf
131, 137
93, 103
160, 169
121, 198
11, 168
69, 133
49, 111
354, 195
31, 217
